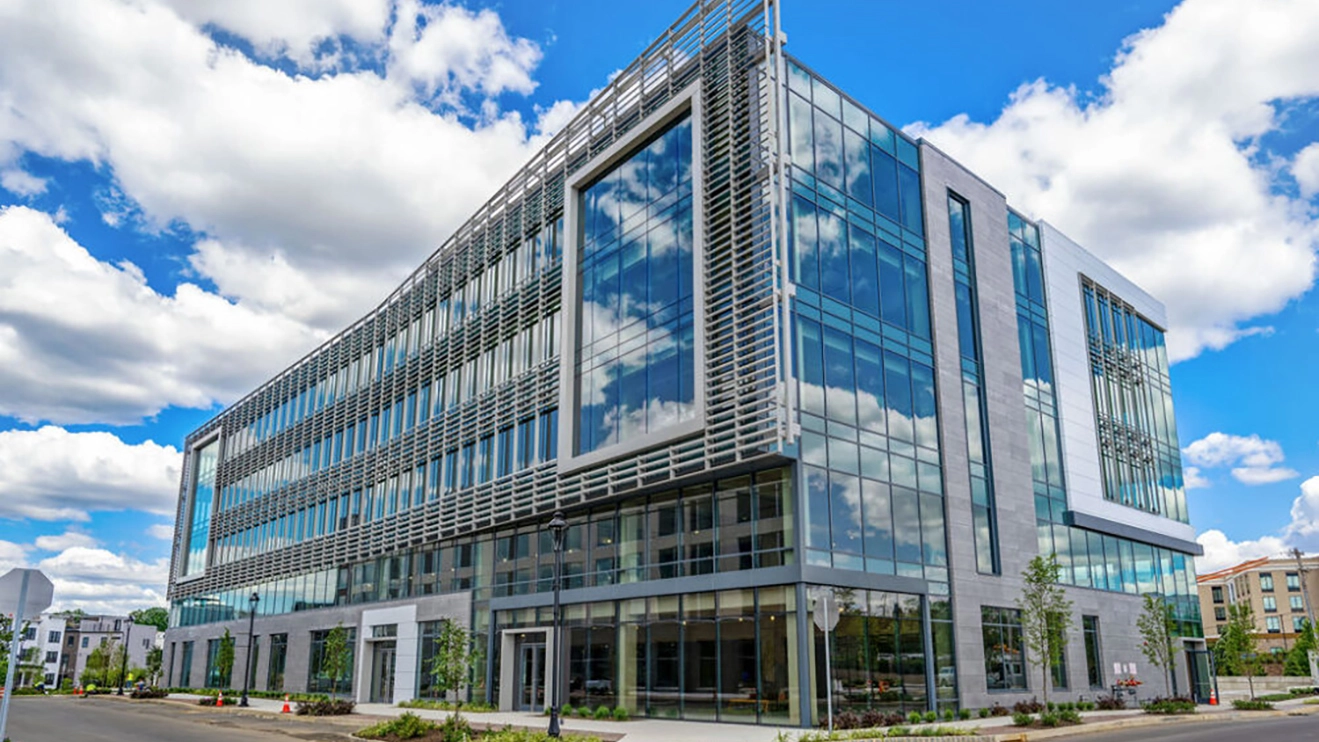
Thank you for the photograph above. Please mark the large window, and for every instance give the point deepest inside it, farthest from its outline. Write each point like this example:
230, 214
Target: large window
1217, 594
636, 355
318, 680
1266, 582
983, 519
216, 676
1270, 604
1297, 603
279, 651
199, 517
185, 665
1005, 654
1293, 582
1273, 624
1094, 658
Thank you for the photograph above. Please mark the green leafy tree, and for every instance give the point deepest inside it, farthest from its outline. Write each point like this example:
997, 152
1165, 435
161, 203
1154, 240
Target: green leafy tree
1237, 652
103, 665
155, 656
1298, 659
1157, 629
338, 656
451, 666
224, 659
1045, 615
155, 616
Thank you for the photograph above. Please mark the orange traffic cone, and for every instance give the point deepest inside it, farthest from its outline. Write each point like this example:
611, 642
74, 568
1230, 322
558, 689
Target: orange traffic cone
219, 700
285, 710
1213, 697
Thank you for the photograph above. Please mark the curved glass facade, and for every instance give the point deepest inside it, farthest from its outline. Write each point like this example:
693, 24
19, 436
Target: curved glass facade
636, 358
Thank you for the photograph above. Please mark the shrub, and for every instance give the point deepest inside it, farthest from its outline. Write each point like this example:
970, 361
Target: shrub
949, 714
1049, 719
1051, 706
984, 713
871, 718
509, 734
1022, 719
1085, 705
456, 729
407, 726
1271, 697
1033, 706
930, 717
1070, 716
438, 705
964, 714
621, 714
583, 712
1257, 704
1110, 703
998, 709
565, 710
150, 693
212, 701
914, 717
336, 707
603, 712
1169, 706
847, 720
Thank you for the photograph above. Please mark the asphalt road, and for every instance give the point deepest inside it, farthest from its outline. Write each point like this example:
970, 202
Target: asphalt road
68, 719
1289, 729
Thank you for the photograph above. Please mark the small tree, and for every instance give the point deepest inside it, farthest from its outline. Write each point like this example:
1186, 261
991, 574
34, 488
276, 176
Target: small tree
337, 658
1045, 614
1298, 659
224, 659
155, 655
1156, 626
452, 664
1236, 651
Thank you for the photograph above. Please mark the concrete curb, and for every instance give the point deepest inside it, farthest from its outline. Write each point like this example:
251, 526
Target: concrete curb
1151, 720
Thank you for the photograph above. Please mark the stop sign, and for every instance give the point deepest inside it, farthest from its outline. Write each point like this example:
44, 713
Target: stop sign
28, 585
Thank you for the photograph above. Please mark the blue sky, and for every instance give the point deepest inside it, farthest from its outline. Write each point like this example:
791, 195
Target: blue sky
193, 197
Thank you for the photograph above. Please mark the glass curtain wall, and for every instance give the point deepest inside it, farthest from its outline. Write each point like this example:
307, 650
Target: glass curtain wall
1088, 559
635, 355
716, 656
318, 679
199, 521
1133, 407
878, 654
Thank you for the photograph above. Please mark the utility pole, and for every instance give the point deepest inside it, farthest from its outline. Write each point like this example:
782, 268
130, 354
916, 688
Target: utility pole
1305, 588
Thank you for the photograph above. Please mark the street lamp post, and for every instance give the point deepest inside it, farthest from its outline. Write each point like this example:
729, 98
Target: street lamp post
557, 526
251, 645
123, 667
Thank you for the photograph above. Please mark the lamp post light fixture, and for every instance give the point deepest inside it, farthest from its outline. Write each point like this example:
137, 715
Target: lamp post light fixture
251, 645
123, 666
557, 526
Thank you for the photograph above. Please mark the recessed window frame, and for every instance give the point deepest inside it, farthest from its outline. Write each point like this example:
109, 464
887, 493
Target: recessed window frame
684, 104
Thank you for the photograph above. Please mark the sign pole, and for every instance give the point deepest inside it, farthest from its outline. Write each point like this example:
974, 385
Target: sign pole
14, 629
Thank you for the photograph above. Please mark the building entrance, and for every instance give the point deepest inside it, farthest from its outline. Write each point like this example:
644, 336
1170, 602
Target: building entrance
382, 672
531, 676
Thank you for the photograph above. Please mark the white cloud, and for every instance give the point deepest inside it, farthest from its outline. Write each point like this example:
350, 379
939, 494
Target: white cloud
295, 29
1302, 532
1253, 460
1159, 175
85, 341
93, 579
340, 183
1305, 168
98, 580
1193, 479
21, 183
52, 474
65, 540
1221, 552
163, 531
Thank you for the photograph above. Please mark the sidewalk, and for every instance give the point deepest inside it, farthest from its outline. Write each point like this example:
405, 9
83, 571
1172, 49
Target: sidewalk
660, 730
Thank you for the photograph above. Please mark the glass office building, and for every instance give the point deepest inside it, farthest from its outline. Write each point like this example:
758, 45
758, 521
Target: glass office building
760, 347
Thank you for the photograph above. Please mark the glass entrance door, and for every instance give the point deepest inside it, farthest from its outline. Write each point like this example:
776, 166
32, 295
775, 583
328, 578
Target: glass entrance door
531, 676
382, 672
1200, 667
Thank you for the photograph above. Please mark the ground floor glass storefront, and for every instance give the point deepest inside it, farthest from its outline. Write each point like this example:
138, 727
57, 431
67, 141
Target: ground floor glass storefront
731, 655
